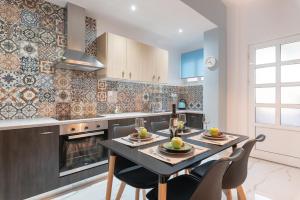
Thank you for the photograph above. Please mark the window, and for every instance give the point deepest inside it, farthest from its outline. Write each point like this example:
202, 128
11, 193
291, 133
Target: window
275, 83
192, 64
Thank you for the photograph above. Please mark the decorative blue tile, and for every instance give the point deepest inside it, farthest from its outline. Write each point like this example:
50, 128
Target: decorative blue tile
47, 38
9, 79
29, 18
8, 46
7, 111
30, 110
29, 80
28, 49
29, 65
46, 81
29, 34
47, 95
46, 8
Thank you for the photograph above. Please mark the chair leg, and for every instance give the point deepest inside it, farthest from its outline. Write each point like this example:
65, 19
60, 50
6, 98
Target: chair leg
228, 194
144, 194
110, 177
121, 190
137, 194
241, 193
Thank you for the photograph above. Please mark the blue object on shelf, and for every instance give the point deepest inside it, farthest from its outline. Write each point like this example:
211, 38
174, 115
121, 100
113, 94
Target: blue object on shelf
192, 64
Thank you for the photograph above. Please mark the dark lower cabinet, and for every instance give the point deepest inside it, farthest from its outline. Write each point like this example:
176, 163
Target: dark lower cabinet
126, 122
29, 162
194, 120
118, 122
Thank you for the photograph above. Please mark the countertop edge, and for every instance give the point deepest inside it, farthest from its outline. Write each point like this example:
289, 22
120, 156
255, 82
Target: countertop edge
40, 122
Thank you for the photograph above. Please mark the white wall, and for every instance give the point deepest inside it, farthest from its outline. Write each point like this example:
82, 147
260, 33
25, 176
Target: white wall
215, 82
252, 22
105, 25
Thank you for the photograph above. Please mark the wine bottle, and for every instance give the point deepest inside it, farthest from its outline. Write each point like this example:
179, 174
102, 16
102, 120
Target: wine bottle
173, 122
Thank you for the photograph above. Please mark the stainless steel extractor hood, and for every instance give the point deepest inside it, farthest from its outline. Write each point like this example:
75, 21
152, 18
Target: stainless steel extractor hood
75, 57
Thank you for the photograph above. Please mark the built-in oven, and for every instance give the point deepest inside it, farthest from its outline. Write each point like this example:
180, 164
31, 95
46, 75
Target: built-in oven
80, 147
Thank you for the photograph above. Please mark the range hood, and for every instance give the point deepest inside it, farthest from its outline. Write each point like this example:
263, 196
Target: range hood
75, 57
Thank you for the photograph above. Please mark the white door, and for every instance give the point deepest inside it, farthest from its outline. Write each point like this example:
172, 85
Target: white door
274, 103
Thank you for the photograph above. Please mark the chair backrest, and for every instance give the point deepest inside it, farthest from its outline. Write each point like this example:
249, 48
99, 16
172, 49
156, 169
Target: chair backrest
156, 126
121, 131
237, 172
210, 187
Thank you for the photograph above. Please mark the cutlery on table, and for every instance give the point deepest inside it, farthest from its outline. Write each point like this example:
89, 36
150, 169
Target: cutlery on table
152, 151
127, 140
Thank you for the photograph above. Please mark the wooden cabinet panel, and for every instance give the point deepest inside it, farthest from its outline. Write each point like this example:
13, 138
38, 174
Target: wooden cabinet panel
30, 162
131, 60
111, 51
134, 60
116, 53
162, 70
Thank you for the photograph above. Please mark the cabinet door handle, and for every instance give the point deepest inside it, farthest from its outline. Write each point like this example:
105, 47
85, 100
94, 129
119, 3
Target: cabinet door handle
153, 77
46, 133
123, 73
116, 125
158, 78
130, 75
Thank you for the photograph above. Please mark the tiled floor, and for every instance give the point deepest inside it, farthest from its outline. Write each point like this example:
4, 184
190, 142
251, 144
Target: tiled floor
266, 181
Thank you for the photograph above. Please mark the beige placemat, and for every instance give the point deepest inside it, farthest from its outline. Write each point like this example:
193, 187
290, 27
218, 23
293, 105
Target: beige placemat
174, 159
200, 138
128, 142
167, 131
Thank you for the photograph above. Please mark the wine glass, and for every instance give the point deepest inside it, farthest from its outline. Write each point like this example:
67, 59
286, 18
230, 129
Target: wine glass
139, 123
182, 118
173, 125
205, 121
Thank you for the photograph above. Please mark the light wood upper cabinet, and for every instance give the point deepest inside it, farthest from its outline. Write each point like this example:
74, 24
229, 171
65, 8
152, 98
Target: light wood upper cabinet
131, 60
111, 51
133, 65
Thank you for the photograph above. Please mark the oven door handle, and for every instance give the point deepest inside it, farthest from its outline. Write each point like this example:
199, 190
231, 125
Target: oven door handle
72, 137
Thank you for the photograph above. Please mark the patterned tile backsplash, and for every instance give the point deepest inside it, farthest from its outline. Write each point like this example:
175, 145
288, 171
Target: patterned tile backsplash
32, 40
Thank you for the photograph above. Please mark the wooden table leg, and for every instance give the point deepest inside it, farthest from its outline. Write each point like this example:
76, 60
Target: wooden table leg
111, 169
162, 188
162, 191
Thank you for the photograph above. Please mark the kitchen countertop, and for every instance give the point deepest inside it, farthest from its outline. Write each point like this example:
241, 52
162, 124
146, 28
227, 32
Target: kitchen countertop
38, 122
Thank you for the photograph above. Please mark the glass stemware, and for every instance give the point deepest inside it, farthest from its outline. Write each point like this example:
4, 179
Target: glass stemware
205, 121
139, 123
182, 119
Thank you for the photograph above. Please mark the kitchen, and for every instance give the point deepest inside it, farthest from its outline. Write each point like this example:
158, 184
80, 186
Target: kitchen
73, 71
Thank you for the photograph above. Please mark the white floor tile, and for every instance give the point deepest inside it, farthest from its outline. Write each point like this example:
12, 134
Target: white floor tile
266, 181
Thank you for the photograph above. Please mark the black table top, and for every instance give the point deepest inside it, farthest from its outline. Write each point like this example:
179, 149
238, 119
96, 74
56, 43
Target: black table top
159, 167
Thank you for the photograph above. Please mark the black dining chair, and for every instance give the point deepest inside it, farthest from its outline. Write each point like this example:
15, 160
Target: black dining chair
236, 174
207, 187
130, 173
156, 126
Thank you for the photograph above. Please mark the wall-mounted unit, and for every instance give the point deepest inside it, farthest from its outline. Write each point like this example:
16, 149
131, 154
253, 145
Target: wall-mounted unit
128, 59
192, 64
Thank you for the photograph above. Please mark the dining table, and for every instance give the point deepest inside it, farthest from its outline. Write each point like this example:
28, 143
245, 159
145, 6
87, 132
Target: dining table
163, 169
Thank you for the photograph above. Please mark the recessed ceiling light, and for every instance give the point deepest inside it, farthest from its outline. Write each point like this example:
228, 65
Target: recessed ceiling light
180, 30
133, 7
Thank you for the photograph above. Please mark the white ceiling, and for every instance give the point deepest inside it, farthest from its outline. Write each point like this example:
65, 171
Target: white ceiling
159, 20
